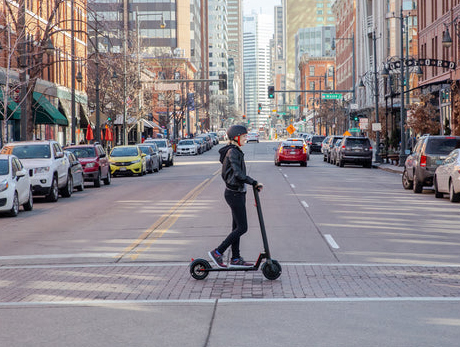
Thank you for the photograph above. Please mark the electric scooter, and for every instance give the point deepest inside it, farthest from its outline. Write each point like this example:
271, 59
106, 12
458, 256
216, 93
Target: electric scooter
271, 269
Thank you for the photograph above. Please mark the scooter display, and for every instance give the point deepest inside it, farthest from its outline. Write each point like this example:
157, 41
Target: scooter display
271, 269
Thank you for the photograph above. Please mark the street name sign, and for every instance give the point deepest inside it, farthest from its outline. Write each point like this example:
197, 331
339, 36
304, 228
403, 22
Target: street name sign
331, 96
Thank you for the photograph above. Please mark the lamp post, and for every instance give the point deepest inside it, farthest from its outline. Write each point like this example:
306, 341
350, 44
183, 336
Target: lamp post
378, 159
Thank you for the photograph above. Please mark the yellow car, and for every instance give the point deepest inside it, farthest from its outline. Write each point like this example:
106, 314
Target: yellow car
127, 160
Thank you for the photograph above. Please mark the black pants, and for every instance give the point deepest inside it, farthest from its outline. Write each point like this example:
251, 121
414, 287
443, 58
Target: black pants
237, 203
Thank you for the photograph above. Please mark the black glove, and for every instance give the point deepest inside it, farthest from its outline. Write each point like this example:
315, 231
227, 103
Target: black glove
254, 183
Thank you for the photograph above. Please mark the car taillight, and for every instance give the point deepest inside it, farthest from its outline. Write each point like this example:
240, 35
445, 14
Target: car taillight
370, 148
304, 149
343, 147
281, 149
423, 160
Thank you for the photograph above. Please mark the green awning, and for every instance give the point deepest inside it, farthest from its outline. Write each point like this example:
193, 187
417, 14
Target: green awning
13, 108
45, 112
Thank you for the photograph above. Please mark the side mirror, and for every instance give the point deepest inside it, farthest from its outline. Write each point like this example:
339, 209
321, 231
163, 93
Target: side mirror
60, 155
20, 174
143, 155
103, 155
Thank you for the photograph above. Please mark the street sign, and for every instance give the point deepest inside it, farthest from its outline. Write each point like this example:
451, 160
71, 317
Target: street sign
331, 96
353, 106
376, 126
290, 129
293, 107
354, 130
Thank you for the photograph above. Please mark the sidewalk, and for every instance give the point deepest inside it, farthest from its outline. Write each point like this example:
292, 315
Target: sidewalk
388, 167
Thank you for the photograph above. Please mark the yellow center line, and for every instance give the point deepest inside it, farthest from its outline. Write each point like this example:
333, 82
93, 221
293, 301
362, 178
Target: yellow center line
164, 223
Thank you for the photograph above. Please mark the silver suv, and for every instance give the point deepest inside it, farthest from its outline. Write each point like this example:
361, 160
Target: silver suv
428, 154
167, 152
49, 168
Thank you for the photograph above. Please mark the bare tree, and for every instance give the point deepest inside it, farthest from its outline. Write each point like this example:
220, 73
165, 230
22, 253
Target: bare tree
423, 117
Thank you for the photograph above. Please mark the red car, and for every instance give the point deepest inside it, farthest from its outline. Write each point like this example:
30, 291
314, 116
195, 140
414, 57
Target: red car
94, 161
291, 151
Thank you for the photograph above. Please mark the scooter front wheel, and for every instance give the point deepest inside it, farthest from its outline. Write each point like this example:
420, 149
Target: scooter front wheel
198, 269
271, 271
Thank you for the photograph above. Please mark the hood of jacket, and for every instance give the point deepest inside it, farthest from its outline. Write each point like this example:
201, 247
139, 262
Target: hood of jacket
223, 151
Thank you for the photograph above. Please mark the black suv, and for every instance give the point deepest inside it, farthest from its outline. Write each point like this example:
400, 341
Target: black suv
356, 150
428, 154
314, 144
327, 146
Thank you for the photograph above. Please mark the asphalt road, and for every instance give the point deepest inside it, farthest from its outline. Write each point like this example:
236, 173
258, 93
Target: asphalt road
364, 262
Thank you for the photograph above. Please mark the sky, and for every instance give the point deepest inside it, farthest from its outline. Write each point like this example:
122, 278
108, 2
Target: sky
266, 6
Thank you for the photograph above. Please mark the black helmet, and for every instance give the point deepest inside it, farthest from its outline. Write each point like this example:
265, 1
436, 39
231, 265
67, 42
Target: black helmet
236, 130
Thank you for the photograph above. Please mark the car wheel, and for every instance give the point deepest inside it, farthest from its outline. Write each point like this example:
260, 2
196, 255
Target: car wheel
341, 163
167, 162
68, 189
417, 186
171, 162
304, 164
97, 181
368, 164
53, 195
15, 208
406, 182
277, 163
81, 187
324, 158
29, 205
108, 179
437, 193
453, 195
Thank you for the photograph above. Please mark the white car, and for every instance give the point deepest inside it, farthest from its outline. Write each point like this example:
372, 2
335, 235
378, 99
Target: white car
167, 152
187, 147
15, 188
49, 166
252, 136
447, 177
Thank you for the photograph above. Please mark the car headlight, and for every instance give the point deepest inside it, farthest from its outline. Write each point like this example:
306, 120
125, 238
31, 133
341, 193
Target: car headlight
3, 185
136, 161
40, 170
91, 164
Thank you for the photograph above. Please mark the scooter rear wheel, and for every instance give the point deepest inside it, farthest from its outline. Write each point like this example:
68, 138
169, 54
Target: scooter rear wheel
271, 271
198, 269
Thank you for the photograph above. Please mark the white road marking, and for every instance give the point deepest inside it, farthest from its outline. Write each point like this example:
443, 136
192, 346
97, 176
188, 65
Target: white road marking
292, 186
304, 204
285, 175
331, 241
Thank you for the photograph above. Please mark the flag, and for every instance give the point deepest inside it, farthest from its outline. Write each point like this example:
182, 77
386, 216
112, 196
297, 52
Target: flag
108, 135
89, 133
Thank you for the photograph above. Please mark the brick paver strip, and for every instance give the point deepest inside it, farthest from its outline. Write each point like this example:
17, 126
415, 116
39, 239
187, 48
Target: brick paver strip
173, 282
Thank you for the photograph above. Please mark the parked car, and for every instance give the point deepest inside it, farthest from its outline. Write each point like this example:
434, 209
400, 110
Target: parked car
93, 158
314, 143
187, 147
333, 152
50, 167
215, 138
200, 144
429, 152
127, 160
328, 145
447, 177
166, 149
15, 186
207, 140
326, 139
253, 136
293, 151
151, 158
157, 152
355, 150
76, 171
222, 135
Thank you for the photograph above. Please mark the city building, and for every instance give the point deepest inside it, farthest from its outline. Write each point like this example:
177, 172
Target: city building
46, 73
279, 61
235, 54
258, 33
218, 42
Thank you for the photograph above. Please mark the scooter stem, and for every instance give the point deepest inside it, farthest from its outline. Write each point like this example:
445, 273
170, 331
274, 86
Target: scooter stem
261, 222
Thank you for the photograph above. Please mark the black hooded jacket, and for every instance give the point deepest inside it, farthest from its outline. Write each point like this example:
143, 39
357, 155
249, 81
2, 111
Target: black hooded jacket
234, 168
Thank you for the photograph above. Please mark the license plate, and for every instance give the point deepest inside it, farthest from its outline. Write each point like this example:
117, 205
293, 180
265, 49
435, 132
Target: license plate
292, 152
439, 161
122, 169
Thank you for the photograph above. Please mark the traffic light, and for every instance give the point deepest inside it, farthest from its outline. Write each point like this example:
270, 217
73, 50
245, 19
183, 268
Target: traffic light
222, 81
259, 109
271, 92
355, 118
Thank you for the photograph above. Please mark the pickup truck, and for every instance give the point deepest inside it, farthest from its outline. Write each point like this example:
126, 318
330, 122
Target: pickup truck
48, 167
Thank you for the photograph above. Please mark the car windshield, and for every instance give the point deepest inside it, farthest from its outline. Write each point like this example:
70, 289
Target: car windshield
124, 152
357, 142
187, 142
316, 139
161, 143
442, 145
82, 152
145, 149
292, 144
4, 167
32, 151
335, 139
